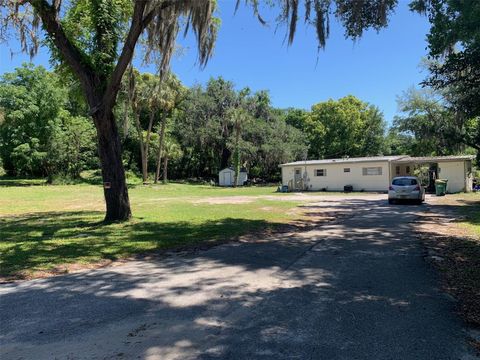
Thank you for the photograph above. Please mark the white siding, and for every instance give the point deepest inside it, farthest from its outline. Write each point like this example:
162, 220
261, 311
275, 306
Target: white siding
336, 178
287, 174
242, 178
225, 177
454, 172
459, 179
402, 169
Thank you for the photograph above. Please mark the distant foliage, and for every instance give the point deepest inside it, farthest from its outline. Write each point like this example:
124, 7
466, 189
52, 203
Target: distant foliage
45, 130
454, 50
206, 127
347, 127
428, 125
38, 136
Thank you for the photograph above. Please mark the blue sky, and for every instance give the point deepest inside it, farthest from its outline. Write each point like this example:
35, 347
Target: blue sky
376, 68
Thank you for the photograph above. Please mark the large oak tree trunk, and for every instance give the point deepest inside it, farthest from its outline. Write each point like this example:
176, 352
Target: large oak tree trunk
113, 173
101, 93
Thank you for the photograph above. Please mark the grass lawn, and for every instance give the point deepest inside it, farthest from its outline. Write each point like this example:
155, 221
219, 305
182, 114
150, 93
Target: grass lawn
470, 212
44, 228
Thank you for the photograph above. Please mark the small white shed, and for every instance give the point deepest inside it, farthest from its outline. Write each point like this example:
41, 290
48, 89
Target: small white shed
226, 177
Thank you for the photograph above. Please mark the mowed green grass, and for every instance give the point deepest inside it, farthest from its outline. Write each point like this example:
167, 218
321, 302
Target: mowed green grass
470, 212
44, 228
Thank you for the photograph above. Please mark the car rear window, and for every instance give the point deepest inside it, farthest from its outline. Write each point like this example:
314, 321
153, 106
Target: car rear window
404, 182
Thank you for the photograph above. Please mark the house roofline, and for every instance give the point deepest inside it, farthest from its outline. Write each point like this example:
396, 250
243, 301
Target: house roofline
389, 159
343, 161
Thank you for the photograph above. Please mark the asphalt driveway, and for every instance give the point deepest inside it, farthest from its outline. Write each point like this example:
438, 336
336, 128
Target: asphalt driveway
355, 288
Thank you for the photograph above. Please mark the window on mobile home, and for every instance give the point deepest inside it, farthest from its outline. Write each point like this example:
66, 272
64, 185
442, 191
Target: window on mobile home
372, 170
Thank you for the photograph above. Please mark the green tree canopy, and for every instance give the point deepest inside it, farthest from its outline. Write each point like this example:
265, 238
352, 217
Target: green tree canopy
347, 127
34, 104
454, 50
433, 127
212, 124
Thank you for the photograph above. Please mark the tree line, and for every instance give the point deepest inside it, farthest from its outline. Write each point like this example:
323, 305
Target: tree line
170, 131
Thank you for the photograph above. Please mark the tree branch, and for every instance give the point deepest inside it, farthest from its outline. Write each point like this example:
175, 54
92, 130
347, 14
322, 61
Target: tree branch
139, 23
71, 54
471, 143
134, 32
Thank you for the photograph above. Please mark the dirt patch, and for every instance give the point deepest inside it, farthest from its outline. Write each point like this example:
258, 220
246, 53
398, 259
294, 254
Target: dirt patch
226, 200
300, 197
267, 208
79, 205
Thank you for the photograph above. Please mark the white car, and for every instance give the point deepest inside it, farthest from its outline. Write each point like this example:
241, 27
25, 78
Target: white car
406, 188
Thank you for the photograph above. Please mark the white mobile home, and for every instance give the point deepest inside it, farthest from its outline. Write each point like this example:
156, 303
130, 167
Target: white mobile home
376, 173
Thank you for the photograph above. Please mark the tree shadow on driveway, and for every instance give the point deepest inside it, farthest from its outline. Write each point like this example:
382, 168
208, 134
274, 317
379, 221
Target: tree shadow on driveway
354, 288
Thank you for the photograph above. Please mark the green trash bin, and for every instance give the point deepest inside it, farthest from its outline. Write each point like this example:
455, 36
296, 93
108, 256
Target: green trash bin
440, 187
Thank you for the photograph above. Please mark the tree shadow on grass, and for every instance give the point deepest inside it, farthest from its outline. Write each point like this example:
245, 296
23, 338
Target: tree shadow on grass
470, 211
50, 240
8, 181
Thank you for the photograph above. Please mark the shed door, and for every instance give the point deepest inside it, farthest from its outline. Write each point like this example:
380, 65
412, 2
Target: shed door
298, 178
227, 178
